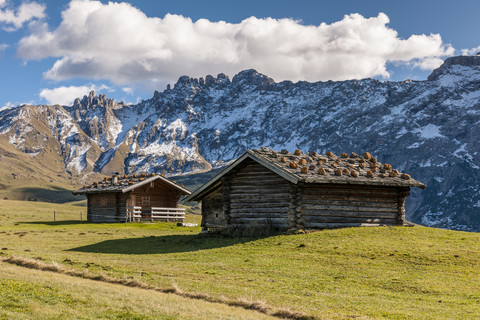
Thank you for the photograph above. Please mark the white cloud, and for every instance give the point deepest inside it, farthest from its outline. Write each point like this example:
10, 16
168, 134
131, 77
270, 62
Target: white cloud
427, 63
3, 47
128, 90
469, 52
118, 42
14, 19
9, 104
66, 95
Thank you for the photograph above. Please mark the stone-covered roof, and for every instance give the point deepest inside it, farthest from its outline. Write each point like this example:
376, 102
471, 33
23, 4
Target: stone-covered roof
321, 168
345, 168
126, 183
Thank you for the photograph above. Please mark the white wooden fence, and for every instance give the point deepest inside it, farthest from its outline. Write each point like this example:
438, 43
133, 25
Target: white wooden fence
133, 214
161, 214
168, 214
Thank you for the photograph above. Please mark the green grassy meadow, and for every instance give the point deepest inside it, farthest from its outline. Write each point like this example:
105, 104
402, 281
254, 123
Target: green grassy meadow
363, 273
33, 294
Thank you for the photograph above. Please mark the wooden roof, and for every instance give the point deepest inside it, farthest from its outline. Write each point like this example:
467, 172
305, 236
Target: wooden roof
128, 183
314, 168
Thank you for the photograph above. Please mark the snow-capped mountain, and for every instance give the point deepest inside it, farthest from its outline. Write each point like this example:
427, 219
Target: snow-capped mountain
427, 128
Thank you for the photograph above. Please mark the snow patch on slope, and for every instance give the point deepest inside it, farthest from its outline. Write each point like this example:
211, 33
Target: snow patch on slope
430, 131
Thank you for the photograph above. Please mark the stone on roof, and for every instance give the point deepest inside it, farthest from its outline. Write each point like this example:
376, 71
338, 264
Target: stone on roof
122, 183
352, 168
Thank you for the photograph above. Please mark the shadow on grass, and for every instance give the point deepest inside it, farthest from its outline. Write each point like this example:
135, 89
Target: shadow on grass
56, 223
163, 244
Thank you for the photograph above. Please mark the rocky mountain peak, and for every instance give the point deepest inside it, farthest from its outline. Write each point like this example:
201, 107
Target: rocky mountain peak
93, 101
466, 61
184, 81
211, 81
251, 77
246, 77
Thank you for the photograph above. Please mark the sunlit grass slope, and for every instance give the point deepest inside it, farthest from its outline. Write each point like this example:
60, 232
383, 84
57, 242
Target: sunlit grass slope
32, 294
385, 272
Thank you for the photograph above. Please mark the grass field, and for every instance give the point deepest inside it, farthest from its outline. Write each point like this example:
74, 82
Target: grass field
32, 294
363, 273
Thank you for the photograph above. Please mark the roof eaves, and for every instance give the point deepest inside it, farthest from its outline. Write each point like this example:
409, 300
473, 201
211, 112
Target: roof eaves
292, 177
78, 192
194, 195
141, 183
248, 154
174, 184
407, 183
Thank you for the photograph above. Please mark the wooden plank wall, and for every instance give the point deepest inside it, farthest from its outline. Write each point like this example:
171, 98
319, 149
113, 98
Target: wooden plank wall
253, 196
121, 205
213, 215
257, 197
161, 195
89, 208
106, 207
332, 206
111, 206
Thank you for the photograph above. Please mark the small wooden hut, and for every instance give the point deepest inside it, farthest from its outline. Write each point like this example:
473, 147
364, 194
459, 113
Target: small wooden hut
281, 190
139, 197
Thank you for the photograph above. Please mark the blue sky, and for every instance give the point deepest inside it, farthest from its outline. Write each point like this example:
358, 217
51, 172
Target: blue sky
52, 51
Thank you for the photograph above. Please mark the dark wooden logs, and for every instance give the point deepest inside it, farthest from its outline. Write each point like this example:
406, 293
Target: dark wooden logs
250, 208
258, 197
402, 196
356, 203
328, 219
350, 208
366, 214
102, 207
326, 204
213, 210
226, 197
253, 196
297, 206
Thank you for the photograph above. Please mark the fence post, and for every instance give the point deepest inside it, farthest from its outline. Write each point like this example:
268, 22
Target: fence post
54, 218
81, 218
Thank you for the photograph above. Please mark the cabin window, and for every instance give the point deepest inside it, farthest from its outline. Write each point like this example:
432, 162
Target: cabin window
152, 184
145, 201
216, 215
103, 202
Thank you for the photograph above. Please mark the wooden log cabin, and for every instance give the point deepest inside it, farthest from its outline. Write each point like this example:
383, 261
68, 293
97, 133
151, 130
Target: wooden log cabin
137, 196
281, 191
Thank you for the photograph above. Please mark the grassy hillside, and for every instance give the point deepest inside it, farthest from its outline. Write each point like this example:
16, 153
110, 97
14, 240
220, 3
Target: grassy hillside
386, 272
193, 181
32, 294
22, 178
42, 176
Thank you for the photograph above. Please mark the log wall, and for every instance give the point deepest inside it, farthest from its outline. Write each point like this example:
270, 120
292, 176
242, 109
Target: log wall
257, 197
159, 194
106, 207
333, 206
253, 196
111, 206
213, 215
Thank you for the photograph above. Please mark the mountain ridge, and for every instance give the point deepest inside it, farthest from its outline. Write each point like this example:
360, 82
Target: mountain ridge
427, 128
